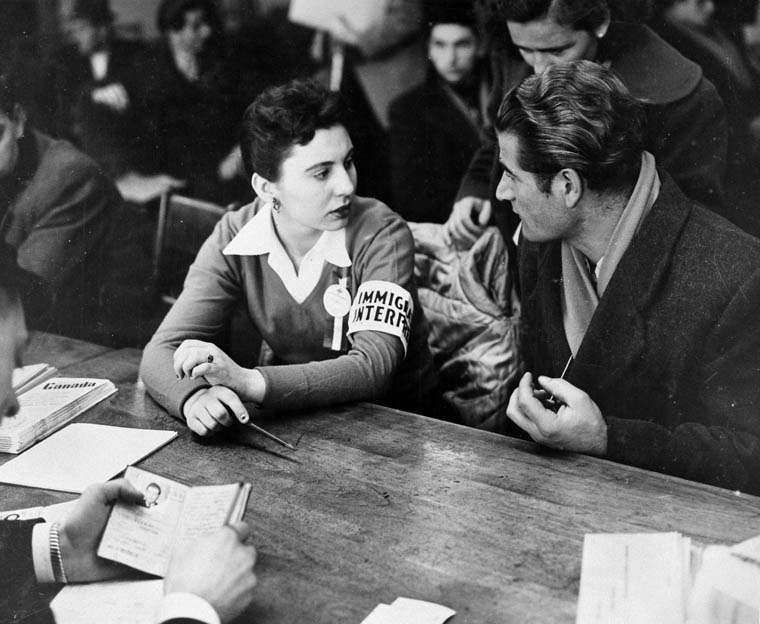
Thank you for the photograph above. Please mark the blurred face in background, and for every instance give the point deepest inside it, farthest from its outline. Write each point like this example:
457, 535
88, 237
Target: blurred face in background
453, 51
193, 35
87, 37
543, 43
694, 13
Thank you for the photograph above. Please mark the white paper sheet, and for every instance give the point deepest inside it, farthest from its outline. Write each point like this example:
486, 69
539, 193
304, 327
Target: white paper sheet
115, 602
634, 579
82, 454
409, 611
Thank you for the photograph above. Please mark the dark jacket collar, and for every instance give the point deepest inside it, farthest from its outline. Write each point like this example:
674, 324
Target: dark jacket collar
653, 70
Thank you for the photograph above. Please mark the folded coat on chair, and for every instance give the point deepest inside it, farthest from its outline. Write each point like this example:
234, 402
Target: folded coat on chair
473, 312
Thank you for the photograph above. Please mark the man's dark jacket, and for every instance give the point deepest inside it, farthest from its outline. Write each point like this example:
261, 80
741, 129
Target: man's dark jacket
672, 354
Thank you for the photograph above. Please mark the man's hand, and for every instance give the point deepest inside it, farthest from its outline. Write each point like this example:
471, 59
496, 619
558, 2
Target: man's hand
80, 532
209, 410
114, 96
218, 568
467, 221
577, 426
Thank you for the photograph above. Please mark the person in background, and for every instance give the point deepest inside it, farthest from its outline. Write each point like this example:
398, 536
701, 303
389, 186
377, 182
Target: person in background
435, 127
326, 277
93, 82
209, 583
686, 125
57, 209
639, 306
187, 100
691, 27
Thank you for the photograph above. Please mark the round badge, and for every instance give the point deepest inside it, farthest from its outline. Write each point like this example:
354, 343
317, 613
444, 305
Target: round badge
337, 301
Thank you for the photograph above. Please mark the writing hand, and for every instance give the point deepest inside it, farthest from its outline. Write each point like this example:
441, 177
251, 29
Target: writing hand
577, 426
469, 218
218, 568
81, 531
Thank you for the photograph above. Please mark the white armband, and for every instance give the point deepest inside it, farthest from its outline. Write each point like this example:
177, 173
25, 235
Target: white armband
382, 306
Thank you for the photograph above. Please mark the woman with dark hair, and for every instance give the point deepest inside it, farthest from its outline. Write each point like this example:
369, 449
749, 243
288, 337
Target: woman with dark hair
686, 124
325, 276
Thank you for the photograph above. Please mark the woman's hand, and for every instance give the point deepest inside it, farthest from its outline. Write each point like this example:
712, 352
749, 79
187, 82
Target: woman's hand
195, 358
212, 409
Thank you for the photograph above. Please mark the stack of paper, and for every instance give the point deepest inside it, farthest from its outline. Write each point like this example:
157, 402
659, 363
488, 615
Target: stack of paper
48, 407
636, 578
408, 611
26, 377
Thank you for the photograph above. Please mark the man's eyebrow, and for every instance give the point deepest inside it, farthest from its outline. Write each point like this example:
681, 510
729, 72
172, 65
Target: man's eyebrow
507, 169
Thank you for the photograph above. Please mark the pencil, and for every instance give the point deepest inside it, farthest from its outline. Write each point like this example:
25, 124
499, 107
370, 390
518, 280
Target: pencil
270, 436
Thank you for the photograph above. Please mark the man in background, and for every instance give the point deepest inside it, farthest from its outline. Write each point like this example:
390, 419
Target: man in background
435, 127
57, 209
94, 81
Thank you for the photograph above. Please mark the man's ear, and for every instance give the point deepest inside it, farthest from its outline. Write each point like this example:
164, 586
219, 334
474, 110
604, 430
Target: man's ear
263, 187
19, 120
569, 185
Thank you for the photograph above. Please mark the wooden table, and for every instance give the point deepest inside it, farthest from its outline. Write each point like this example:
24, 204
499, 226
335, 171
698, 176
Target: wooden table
377, 503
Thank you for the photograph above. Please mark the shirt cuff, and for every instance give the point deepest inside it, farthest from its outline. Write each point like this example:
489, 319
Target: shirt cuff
43, 565
180, 605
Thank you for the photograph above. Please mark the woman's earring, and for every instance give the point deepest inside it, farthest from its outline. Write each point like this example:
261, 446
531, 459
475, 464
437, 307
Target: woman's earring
276, 205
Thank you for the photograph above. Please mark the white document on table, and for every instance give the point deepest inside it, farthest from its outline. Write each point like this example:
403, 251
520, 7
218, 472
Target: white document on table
409, 611
82, 454
115, 602
636, 578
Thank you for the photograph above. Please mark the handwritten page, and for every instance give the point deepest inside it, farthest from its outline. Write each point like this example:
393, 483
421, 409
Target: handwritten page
115, 602
409, 611
82, 454
634, 579
206, 508
143, 537
50, 513
174, 516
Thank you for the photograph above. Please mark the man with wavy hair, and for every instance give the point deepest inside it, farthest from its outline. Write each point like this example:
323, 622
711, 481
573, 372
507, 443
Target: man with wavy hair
641, 332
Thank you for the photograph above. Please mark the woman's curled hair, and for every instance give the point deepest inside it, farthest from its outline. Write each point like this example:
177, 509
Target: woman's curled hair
282, 117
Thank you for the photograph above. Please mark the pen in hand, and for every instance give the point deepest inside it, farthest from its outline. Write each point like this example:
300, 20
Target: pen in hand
552, 402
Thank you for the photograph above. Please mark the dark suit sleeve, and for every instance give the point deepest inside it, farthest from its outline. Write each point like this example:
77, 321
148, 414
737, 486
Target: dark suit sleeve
75, 228
16, 567
718, 440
